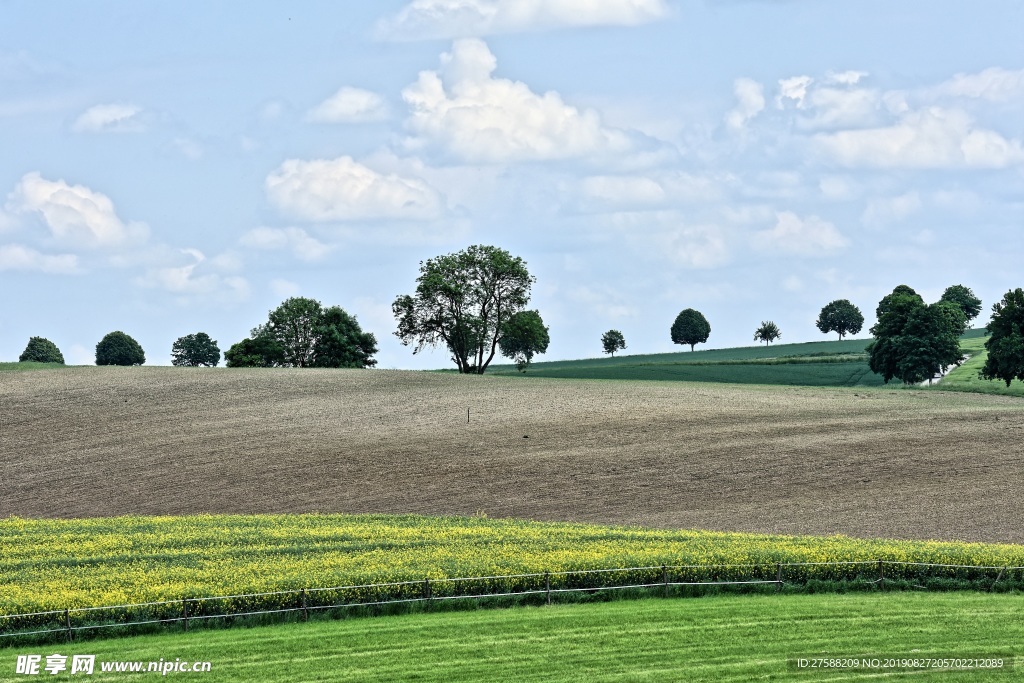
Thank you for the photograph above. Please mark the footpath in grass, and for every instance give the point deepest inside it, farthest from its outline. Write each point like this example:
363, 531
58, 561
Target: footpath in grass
720, 638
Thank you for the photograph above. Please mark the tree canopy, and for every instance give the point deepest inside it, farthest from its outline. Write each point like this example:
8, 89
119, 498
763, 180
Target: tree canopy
41, 350
612, 341
840, 316
194, 350
522, 337
690, 327
914, 341
1005, 344
302, 333
117, 348
964, 298
768, 332
463, 301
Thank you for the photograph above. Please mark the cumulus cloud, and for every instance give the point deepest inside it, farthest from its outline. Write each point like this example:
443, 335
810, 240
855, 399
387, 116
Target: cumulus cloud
806, 236
602, 192
670, 236
994, 85
431, 19
845, 77
18, 257
343, 189
929, 138
750, 101
792, 90
184, 281
295, 240
74, 214
481, 119
109, 118
350, 105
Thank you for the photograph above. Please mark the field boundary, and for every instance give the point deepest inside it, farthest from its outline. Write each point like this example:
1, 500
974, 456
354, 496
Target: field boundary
850, 574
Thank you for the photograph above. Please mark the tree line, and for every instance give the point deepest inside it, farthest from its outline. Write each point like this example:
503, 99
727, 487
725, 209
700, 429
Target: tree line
473, 303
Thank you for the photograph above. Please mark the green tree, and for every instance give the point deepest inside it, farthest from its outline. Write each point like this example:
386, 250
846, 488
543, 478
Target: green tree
341, 343
1005, 344
259, 352
294, 326
840, 316
462, 301
612, 341
690, 327
194, 350
117, 348
965, 299
768, 332
522, 337
913, 340
41, 350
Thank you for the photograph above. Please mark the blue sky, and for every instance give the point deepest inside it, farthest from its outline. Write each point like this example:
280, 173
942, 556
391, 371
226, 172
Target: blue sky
169, 169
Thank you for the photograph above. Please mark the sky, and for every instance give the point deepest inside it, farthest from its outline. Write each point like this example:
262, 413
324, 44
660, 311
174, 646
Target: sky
171, 168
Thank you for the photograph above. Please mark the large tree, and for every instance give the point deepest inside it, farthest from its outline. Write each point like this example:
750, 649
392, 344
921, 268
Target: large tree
463, 301
117, 348
914, 341
612, 341
1005, 344
840, 316
523, 336
768, 332
41, 350
301, 333
964, 298
194, 350
690, 327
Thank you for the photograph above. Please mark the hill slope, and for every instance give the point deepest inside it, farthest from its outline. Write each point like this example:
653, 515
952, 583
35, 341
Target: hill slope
907, 464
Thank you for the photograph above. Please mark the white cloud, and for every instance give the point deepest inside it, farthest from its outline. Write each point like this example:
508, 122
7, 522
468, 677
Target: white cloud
350, 105
994, 85
343, 189
18, 257
929, 138
295, 240
109, 118
185, 282
807, 236
431, 19
845, 77
668, 235
882, 212
841, 108
623, 190
794, 89
481, 119
750, 101
74, 214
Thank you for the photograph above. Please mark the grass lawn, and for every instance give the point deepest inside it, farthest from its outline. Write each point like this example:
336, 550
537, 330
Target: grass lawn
721, 638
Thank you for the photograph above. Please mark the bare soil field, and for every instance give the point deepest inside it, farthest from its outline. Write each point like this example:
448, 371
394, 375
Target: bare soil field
83, 442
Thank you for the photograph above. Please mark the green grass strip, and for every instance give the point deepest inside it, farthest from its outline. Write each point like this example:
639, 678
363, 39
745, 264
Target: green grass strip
720, 638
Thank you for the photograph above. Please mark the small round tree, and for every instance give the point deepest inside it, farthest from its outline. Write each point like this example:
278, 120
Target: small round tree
840, 316
965, 299
41, 350
1006, 344
768, 332
613, 341
194, 350
523, 336
117, 348
690, 327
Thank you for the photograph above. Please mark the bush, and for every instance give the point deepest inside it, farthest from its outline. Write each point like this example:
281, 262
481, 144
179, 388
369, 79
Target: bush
40, 350
117, 348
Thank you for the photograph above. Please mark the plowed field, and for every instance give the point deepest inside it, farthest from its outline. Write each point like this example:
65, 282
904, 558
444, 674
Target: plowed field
84, 442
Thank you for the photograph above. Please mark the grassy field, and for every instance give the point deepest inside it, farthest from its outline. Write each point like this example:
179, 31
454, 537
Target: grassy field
29, 365
965, 378
721, 638
90, 441
58, 564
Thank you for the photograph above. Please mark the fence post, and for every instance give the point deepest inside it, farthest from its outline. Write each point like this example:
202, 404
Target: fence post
426, 590
881, 574
778, 579
67, 624
664, 578
547, 585
305, 610
184, 613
